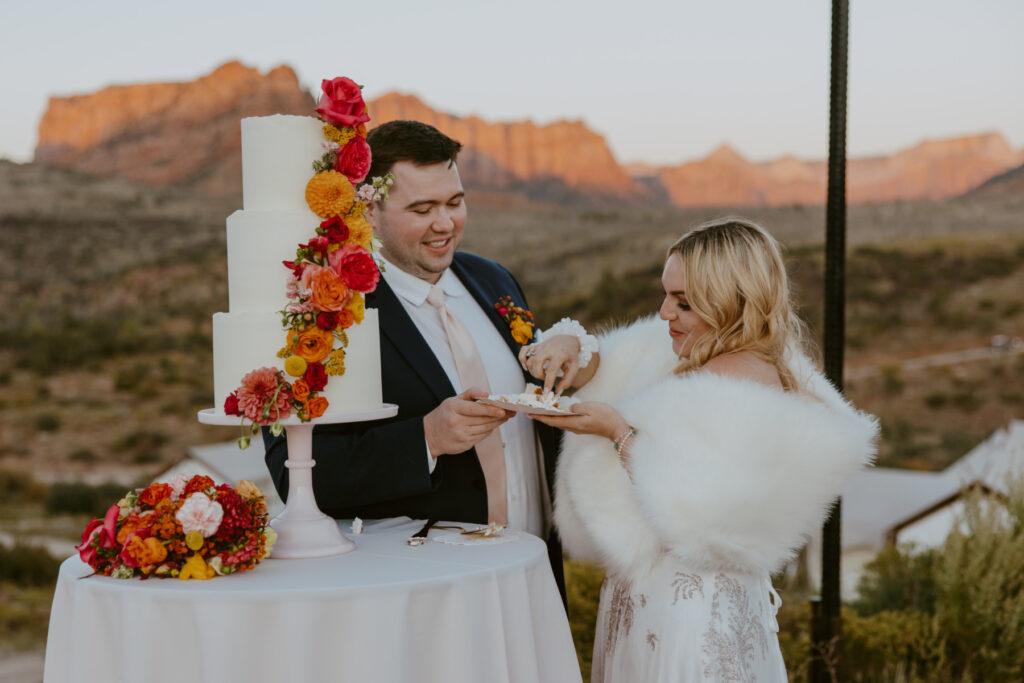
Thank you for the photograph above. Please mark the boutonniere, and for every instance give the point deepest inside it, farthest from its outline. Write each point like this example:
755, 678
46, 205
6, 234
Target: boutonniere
520, 320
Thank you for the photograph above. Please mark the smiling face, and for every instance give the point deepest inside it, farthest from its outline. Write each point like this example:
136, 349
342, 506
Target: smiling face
684, 324
422, 220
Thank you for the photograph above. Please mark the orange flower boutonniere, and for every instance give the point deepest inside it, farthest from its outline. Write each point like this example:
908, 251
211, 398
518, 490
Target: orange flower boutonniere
520, 320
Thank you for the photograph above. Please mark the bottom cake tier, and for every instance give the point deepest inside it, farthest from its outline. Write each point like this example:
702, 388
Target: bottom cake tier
243, 342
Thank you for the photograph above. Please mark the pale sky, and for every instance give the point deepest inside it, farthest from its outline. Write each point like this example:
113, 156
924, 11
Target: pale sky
664, 81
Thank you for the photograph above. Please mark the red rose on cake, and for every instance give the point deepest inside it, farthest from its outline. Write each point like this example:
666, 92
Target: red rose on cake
356, 267
316, 376
342, 102
354, 160
334, 229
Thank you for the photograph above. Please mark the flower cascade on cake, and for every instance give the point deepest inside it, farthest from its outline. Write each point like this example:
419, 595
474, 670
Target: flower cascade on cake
188, 527
329, 274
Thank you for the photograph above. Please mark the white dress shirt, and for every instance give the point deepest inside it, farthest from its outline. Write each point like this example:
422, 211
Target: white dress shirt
522, 467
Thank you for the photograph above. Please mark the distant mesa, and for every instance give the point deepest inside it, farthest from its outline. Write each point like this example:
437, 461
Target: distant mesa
187, 134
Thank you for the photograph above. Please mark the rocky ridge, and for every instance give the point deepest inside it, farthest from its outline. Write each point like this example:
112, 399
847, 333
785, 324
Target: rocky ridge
187, 135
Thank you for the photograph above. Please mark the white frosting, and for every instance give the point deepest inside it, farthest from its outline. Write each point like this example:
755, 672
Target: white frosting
277, 156
243, 342
258, 241
548, 400
277, 160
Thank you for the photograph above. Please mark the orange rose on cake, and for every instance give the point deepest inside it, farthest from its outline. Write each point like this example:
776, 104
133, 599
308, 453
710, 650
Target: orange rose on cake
327, 289
312, 343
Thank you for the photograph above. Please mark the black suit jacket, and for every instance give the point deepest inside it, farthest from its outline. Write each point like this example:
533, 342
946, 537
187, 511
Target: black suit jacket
379, 469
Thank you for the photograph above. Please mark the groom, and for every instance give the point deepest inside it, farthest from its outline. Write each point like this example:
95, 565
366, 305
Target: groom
443, 343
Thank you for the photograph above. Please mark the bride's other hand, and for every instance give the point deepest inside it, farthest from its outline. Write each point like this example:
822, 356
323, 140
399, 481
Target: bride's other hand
591, 417
546, 360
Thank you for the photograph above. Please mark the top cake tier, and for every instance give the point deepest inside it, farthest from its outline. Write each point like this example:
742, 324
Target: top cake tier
277, 160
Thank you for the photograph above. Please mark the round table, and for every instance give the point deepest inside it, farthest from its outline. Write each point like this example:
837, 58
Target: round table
388, 612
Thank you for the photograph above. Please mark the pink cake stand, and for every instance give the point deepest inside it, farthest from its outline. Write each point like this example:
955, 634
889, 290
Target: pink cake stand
303, 531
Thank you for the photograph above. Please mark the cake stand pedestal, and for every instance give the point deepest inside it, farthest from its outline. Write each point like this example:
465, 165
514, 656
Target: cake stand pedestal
303, 531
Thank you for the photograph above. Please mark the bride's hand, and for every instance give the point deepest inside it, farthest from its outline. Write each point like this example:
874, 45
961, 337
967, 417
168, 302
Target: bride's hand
559, 354
591, 417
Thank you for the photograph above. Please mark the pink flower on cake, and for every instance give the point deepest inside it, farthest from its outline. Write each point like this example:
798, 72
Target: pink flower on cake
354, 160
356, 268
263, 397
365, 193
200, 513
342, 102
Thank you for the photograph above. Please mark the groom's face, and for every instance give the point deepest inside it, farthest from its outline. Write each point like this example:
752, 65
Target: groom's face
421, 223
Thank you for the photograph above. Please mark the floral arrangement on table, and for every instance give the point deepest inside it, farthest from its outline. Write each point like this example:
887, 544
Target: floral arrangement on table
519, 320
188, 527
329, 274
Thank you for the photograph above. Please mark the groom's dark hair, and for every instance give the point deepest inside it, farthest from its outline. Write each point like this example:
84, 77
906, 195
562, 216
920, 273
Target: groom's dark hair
409, 141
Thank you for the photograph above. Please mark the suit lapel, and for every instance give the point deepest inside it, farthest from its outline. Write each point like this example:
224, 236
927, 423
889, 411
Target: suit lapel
486, 299
400, 330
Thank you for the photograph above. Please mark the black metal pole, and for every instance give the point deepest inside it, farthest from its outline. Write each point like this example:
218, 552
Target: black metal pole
825, 666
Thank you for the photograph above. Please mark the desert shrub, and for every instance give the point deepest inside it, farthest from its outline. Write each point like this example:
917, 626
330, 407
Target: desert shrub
17, 486
936, 399
76, 497
897, 579
47, 422
27, 565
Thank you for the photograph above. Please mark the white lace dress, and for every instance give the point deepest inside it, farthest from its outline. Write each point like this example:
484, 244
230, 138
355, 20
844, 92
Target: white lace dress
677, 625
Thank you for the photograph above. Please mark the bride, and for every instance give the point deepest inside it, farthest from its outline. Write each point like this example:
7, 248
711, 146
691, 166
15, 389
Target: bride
704, 448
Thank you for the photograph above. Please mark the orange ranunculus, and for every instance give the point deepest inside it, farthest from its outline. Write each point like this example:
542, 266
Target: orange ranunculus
316, 406
145, 551
522, 331
328, 291
133, 523
360, 232
154, 493
300, 390
329, 193
312, 343
345, 318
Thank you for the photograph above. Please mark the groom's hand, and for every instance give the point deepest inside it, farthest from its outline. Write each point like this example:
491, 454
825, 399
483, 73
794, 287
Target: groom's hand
460, 423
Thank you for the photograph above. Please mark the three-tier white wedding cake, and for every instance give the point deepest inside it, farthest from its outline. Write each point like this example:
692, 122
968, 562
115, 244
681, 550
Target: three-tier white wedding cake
277, 156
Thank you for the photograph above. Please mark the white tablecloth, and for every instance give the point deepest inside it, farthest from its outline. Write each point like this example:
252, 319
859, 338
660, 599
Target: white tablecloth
385, 612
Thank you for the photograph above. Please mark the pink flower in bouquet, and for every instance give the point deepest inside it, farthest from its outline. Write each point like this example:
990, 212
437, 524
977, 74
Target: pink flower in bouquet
99, 534
356, 268
200, 513
354, 160
342, 102
263, 387
180, 480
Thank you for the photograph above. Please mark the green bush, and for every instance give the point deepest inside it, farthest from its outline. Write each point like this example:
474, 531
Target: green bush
28, 565
75, 497
583, 590
17, 486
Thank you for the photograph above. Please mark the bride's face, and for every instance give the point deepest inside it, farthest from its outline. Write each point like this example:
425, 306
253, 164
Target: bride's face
683, 324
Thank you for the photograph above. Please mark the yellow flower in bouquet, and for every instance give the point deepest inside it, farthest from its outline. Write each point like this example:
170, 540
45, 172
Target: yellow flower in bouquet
196, 568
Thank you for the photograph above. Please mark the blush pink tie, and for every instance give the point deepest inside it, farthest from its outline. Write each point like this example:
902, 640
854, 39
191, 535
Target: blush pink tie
470, 369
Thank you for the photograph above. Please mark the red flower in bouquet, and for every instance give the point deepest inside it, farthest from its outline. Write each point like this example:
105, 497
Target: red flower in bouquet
356, 267
264, 397
342, 102
99, 540
354, 160
237, 515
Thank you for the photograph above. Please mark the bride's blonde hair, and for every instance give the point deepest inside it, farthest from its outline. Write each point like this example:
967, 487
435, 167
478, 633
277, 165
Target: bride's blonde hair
736, 282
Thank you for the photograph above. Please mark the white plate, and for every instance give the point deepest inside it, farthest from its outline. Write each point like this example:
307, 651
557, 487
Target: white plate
457, 538
520, 408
